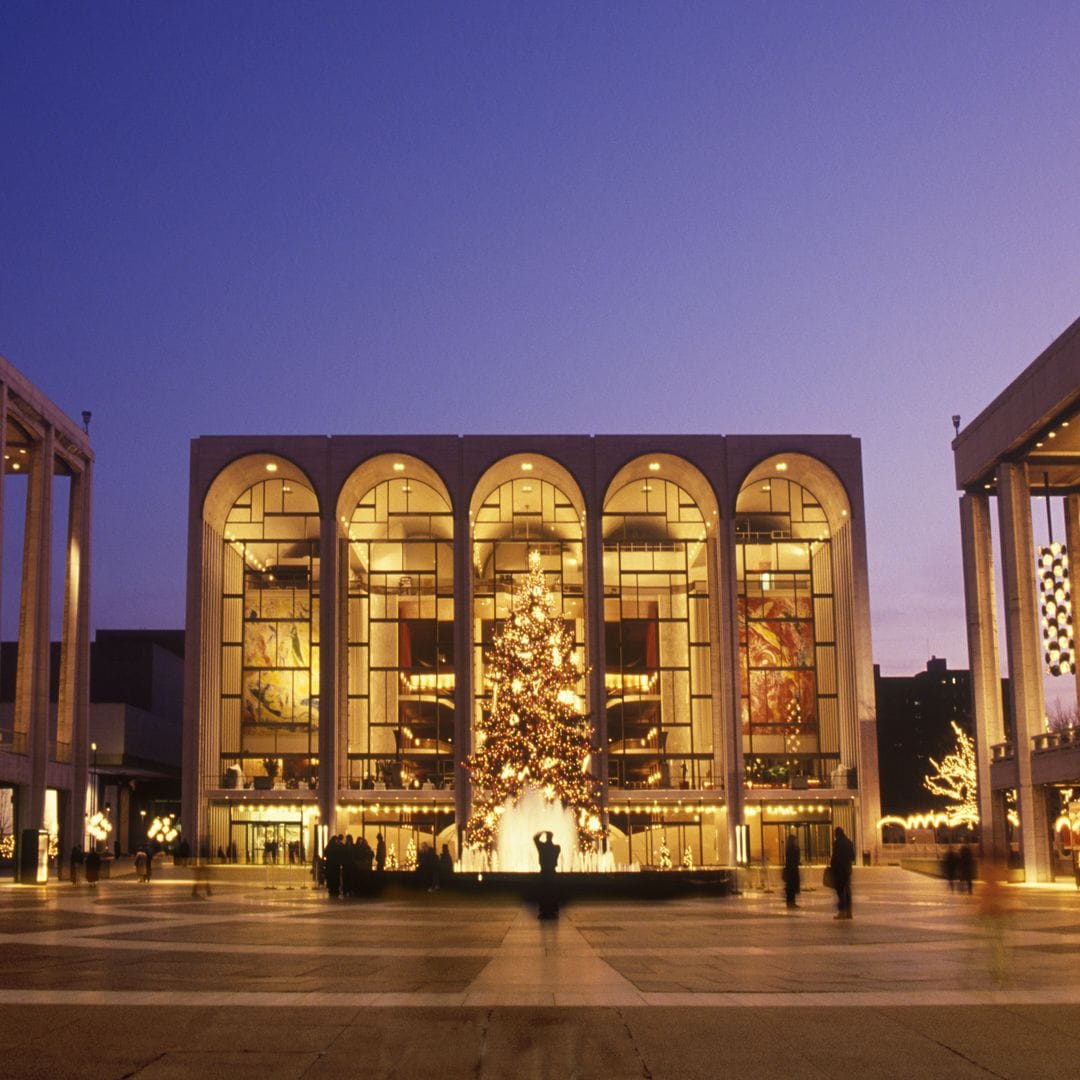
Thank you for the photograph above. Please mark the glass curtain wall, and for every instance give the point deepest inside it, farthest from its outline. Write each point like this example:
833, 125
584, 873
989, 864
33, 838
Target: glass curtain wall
657, 648
787, 639
517, 517
401, 638
270, 638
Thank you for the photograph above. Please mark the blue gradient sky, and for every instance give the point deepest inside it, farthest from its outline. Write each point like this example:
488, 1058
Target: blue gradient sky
856, 218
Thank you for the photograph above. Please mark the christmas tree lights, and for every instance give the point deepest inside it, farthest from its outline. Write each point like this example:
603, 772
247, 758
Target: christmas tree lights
955, 780
535, 734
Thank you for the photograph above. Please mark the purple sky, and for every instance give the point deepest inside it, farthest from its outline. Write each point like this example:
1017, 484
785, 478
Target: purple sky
243, 217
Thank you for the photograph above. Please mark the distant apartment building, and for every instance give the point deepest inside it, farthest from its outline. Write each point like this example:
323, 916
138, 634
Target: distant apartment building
915, 714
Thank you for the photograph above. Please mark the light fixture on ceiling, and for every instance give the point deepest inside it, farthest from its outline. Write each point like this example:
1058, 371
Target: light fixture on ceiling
271, 466
399, 466
654, 466
781, 466
526, 466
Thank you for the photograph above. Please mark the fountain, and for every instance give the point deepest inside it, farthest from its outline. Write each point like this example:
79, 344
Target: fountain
515, 851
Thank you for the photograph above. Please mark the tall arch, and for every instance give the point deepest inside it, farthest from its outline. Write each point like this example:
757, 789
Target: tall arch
796, 626
522, 503
659, 589
399, 626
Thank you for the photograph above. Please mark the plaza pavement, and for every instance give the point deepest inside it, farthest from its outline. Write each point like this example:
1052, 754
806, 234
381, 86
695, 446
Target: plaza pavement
269, 979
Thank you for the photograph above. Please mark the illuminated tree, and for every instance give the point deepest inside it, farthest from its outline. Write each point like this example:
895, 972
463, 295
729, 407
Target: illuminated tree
955, 780
665, 855
535, 734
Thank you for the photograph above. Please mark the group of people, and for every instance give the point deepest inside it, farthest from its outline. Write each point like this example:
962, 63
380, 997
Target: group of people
837, 874
351, 867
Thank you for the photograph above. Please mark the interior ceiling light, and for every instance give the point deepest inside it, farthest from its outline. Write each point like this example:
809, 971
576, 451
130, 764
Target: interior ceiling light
526, 466
271, 466
654, 466
399, 466
781, 466
1053, 434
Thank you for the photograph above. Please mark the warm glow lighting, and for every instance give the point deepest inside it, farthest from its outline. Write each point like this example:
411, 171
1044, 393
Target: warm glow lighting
654, 466
781, 466
271, 466
526, 466
399, 466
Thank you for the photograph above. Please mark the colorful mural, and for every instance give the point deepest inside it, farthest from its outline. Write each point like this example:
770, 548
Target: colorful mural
779, 690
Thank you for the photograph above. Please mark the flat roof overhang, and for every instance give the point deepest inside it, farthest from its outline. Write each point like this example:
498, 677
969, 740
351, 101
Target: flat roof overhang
1035, 419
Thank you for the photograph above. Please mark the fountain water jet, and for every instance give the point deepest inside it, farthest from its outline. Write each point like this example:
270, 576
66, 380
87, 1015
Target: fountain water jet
515, 851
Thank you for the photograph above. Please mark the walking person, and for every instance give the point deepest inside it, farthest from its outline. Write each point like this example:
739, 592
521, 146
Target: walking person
843, 859
792, 858
77, 861
380, 853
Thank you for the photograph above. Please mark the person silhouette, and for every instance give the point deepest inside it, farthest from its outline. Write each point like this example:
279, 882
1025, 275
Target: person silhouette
548, 852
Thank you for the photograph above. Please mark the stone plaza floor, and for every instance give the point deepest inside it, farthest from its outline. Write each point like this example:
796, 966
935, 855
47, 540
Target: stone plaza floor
268, 978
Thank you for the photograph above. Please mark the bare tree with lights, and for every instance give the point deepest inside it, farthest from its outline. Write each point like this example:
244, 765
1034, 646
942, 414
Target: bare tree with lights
534, 734
955, 780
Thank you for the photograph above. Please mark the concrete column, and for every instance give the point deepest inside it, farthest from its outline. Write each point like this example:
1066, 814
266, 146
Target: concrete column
1025, 658
860, 682
329, 637
192, 809
463, 658
3, 471
724, 589
1072, 545
73, 720
32, 678
983, 660
595, 633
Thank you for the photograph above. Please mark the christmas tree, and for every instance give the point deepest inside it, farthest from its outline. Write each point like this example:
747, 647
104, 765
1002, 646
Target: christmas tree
665, 855
535, 734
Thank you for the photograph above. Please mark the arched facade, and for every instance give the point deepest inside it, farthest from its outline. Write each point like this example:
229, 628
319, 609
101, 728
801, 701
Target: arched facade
674, 566
524, 503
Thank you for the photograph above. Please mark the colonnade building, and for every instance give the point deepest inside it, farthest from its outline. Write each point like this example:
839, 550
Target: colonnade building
343, 592
44, 748
1023, 451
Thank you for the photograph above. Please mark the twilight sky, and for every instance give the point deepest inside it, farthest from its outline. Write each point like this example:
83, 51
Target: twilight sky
465, 218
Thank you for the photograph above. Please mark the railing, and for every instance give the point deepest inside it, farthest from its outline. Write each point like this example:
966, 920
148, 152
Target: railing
1055, 740
1002, 751
13, 742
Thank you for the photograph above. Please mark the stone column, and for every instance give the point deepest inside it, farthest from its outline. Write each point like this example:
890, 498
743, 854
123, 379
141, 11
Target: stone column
1072, 546
329, 636
983, 660
593, 599
73, 720
463, 658
724, 589
1025, 658
32, 679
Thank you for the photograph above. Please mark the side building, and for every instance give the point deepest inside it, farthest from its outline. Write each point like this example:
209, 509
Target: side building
1024, 447
135, 720
44, 752
343, 592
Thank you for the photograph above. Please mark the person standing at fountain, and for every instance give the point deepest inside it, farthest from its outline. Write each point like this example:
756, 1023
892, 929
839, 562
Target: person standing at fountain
548, 852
